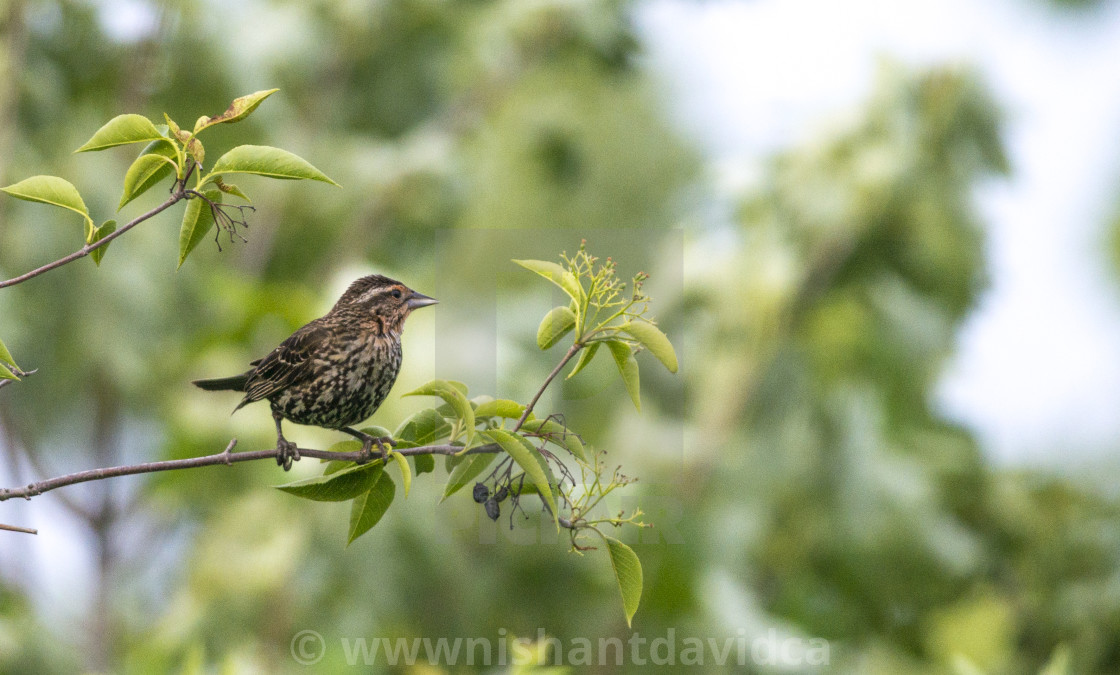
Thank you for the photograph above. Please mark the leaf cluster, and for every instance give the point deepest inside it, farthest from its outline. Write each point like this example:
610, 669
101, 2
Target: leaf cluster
501, 446
170, 152
601, 311
173, 152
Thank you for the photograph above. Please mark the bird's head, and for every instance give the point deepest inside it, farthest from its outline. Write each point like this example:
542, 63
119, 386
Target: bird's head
383, 301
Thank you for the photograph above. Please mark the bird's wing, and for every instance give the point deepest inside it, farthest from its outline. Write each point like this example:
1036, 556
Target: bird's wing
285, 364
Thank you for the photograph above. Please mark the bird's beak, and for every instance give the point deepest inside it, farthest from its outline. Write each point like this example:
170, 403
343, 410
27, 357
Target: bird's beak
418, 300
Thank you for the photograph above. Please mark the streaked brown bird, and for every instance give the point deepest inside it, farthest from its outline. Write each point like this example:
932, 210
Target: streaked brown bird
335, 371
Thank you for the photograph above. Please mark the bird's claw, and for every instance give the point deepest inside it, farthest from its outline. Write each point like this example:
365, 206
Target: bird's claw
287, 452
384, 447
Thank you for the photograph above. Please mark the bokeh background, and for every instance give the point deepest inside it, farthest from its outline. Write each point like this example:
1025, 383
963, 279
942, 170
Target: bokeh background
883, 238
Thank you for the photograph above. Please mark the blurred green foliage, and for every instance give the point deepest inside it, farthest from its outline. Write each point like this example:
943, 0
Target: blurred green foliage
801, 480
875, 522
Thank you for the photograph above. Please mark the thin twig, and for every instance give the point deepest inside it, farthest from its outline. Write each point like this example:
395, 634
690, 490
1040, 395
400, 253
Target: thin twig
572, 351
13, 528
226, 457
19, 373
176, 196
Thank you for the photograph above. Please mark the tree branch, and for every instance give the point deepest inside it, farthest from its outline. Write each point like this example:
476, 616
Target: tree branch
178, 194
13, 528
227, 457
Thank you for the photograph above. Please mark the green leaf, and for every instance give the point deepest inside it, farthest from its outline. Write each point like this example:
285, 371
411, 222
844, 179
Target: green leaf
466, 471
453, 395
406, 472
585, 356
462, 387
6, 360
122, 130
627, 368
346, 446
231, 189
424, 464
237, 111
51, 190
174, 128
423, 427
376, 432
557, 434
6, 356
104, 230
336, 465
336, 487
531, 488
153, 165
502, 407
556, 274
449, 412
369, 507
556, 324
264, 160
196, 150
198, 219
651, 337
627, 572
526, 457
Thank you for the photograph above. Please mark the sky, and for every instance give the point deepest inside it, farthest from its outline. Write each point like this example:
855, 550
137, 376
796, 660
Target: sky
1037, 373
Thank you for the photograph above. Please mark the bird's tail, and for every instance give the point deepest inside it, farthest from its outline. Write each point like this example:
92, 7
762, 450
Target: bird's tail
235, 383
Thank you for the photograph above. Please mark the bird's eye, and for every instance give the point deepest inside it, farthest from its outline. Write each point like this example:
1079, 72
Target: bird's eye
397, 293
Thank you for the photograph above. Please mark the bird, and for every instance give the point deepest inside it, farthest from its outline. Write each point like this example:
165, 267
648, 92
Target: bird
335, 371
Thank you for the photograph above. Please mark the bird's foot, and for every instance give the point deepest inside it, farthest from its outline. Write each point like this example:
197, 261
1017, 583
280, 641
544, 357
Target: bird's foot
384, 447
287, 452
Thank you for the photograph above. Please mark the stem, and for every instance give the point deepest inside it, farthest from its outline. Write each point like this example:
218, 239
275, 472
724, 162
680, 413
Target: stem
19, 373
591, 290
13, 528
572, 351
603, 324
227, 457
177, 195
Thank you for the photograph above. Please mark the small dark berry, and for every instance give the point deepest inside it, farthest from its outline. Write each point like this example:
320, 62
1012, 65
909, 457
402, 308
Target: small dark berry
501, 494
481, 493
492, 509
